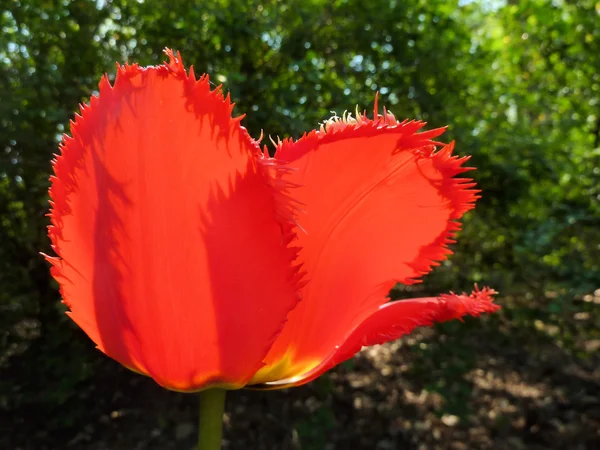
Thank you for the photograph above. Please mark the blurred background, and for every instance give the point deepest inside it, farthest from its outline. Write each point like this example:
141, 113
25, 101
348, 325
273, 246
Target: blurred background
518, 83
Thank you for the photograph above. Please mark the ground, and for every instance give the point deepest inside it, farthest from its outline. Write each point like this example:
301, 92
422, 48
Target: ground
527, 378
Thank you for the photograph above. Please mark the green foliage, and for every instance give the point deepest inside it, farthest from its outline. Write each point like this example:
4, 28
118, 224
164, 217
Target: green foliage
519, 85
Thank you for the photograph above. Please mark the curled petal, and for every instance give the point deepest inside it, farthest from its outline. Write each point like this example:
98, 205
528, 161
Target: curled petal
394, 320
170, 233
381, 202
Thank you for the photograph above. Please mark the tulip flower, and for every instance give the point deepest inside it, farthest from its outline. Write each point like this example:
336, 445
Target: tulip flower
188, 254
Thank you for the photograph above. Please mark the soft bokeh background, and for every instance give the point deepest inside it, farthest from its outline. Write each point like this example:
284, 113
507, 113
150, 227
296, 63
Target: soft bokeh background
518, 83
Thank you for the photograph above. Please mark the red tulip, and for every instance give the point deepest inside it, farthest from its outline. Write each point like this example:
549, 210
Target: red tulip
188, 254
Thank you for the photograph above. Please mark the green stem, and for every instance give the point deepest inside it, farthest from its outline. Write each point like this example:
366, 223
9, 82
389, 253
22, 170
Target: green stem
212, 406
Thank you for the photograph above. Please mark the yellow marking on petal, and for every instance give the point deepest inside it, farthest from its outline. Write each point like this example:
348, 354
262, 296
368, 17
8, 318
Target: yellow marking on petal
286, 367
199, 380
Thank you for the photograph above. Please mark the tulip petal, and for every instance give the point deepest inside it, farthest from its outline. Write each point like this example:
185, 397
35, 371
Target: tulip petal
380, 207
171, 235
396, 319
